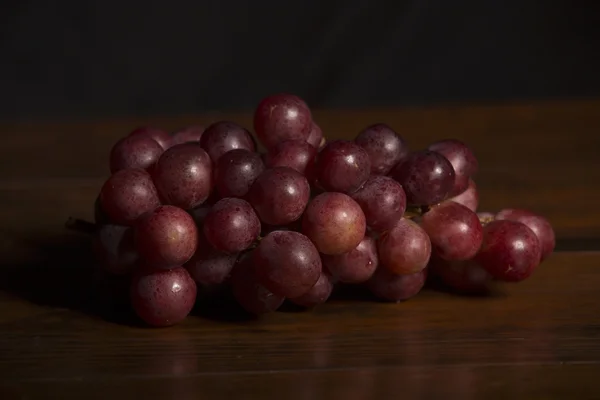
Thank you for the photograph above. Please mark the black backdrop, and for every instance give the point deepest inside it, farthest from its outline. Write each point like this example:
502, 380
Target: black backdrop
146, 57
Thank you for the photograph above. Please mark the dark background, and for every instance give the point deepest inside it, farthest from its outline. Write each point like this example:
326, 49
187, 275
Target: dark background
77, 58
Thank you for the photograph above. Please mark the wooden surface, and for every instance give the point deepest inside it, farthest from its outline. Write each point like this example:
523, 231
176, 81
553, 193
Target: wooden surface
536, 340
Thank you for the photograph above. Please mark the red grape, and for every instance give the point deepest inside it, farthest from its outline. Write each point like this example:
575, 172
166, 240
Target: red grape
186, 135
287, 263
127, 194
404, 249
183, 175
224, 136
231, 225
316, 295
343, 166
334, 222
166, 237
160, 136
315, 137
113, 245
357, 265
295, 154
249, 292
279, 195
383, 201
282, 117
163, 298
384, 147
236, 171
466, 277
392, 287
538, 224
462, 159
210, 267
427, 177
510, 250
134, 152
454, 230
469, 198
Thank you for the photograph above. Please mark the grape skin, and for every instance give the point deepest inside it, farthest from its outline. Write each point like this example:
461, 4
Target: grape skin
462, 159
383, 201
160, 136
384, 147
469, 198
114, 248
343, 166
538, 224
356, 266
224, 136
134, 152
187, 135
210, 267
236, 171
404, 249
318, 294
295, 154
392, 287
315, 137
231, 225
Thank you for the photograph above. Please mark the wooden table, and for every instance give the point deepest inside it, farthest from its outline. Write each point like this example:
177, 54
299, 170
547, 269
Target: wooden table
538, 339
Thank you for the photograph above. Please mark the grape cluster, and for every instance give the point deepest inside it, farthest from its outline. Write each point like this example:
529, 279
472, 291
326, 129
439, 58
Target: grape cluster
201, 210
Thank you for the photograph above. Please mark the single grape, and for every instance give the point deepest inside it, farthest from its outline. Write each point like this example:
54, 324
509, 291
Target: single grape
538, 224
462, 159
113, 246
127, 194
282, 117
279, 195
427, 177
134, 152
510, 250
249, 292
465, 277
343, 166
186, 135
163, 298
183, 175
236, 171
392, 287
287, 263
383, 201
231, 225
318, 294
210, 267
469, 198
160, 136
224, 136
315, 137
384, 147
334, 222
100, 217
356, 266
404, 249
454, 230
166, 237
295, 154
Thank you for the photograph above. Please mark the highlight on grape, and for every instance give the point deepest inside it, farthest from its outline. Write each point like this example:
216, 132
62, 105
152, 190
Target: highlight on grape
203, 211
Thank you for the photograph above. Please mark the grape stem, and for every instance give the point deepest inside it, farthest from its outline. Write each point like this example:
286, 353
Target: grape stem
81, 226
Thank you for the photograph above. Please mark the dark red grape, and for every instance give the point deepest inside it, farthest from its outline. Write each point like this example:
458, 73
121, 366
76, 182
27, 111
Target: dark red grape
186, 135
224, 136
127, 194
469, 198
538, 224
166, 237
279, 195
334, 222
249, 292
295, 154
510, 250
357, 265
404, 249
183, 175
383, 201
466, 277
163, 298
454, 230
236, 171
316, 295
427, 177
287, 263
210, 267
282, 117
384, 147
231, 225
113, 246
343, 166
462, 159
134, 152
160, 136
315, 136
392, 287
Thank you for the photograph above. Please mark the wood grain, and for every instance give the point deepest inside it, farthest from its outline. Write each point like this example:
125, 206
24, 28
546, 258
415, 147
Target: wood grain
537, 339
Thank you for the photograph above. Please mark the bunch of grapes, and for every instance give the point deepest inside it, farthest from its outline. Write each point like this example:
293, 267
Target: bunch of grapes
201, 210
